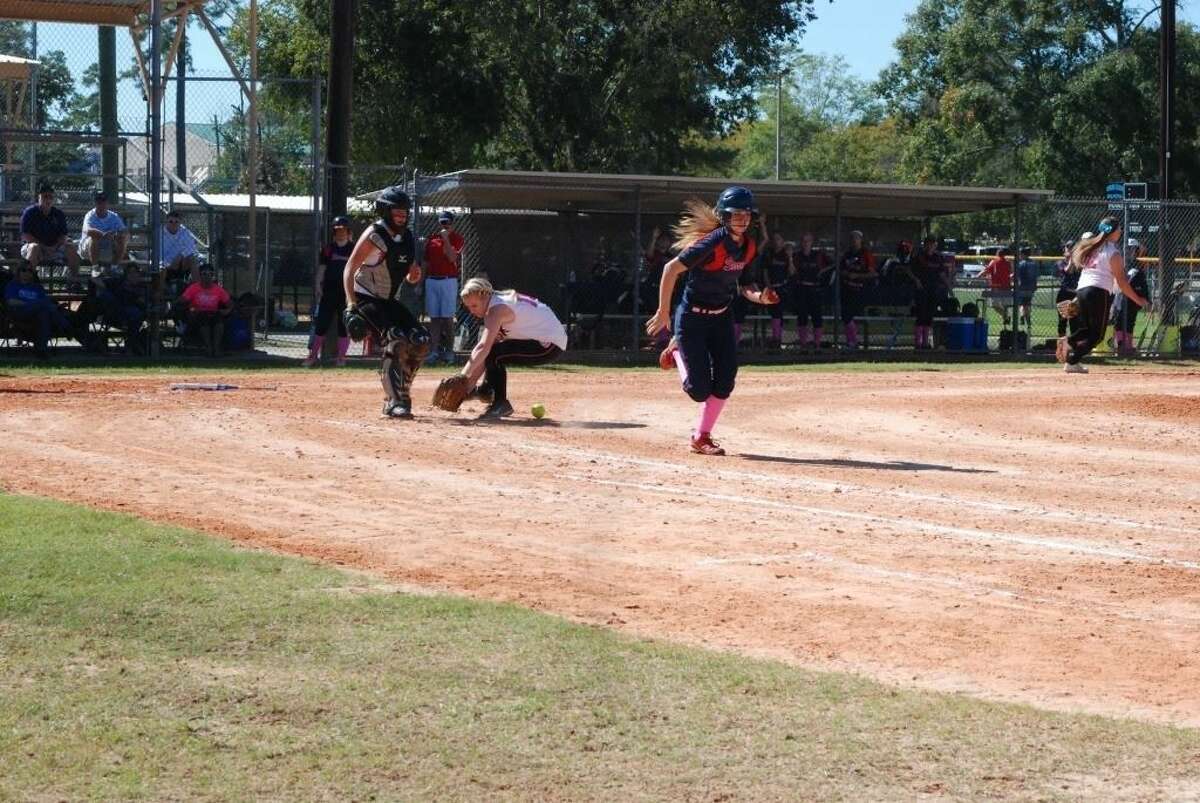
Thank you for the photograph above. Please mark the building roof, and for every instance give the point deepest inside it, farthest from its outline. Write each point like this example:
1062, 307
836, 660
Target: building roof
583, 192
15, 68
95, 12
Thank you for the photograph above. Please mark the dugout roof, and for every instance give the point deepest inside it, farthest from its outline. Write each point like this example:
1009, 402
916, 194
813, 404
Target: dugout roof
606, 192
92, 12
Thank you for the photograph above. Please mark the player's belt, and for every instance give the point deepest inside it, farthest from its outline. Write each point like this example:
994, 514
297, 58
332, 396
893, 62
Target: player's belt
706, 311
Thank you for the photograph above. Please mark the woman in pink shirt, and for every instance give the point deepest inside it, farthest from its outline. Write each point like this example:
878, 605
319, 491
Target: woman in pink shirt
207, 304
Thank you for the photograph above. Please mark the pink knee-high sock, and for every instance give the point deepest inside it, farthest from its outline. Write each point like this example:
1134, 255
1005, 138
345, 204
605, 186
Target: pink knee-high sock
921, 334
818, 336
709, 414
737, 333
314, 347
776, 329
802, 335
343, 347
680, 364
852, 334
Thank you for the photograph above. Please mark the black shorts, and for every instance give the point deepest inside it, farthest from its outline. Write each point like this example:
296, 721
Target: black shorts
383, 314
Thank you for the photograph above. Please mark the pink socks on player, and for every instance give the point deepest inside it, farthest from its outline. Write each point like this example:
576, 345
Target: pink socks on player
818, 336
777, 330
852, 335
709, 414
343, 348
802, 335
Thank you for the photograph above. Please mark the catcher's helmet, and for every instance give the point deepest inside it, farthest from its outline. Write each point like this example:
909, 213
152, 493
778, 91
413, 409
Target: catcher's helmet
735, 198
389, 199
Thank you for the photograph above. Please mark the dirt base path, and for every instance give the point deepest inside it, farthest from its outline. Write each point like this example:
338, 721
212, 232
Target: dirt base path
953, 531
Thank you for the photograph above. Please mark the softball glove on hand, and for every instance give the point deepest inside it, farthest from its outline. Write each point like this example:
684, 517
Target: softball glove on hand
451, 392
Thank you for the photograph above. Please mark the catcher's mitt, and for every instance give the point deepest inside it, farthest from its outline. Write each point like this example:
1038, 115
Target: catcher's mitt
356, 325
1068, 308
451, 392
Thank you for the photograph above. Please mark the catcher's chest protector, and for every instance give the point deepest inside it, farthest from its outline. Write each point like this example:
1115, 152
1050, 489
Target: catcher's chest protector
385, 279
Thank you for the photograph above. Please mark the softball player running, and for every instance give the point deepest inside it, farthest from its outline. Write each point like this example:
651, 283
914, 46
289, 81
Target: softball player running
715, 252
1101, 273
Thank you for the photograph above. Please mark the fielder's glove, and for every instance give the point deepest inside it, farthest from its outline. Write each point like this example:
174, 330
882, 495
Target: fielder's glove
451, 392
356, 325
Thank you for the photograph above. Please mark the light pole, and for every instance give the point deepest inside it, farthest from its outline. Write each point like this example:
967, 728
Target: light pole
778, 122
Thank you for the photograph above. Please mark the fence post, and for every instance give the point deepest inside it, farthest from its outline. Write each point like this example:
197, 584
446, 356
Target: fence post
837, 270
637, 267
1016, 308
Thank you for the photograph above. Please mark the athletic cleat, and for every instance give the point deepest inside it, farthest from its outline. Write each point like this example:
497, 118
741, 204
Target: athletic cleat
666, 360
706, 445
497, 410
1074, 368
398, 409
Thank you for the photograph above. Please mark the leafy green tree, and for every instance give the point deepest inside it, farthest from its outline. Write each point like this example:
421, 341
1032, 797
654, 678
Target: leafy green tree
552, 84
1053, 93
828, 114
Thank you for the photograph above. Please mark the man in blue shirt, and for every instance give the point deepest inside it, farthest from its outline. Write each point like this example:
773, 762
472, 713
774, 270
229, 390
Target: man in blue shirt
26, 303
44, 234
1027, 279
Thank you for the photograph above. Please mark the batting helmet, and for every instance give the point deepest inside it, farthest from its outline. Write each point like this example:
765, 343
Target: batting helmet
735, 198
340, 220
389, 199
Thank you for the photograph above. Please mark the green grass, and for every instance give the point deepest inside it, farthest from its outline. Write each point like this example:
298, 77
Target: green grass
147, 662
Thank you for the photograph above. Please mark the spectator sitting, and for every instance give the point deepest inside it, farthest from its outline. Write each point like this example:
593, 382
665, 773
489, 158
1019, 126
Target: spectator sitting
26, 302
44, 234
207, 304
122, 299
177, 249
1027, 280
998, 274
104, 237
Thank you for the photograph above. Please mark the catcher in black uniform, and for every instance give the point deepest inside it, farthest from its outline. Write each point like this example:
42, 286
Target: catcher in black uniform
383, 257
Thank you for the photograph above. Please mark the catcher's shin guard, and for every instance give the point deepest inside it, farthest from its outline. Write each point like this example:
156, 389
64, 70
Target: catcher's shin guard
403, 353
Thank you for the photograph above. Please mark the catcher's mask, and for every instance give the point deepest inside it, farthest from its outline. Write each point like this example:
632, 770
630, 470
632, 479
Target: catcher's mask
390, 200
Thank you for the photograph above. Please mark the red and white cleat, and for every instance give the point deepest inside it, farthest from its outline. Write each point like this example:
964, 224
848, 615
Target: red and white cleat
666, 360
704, 444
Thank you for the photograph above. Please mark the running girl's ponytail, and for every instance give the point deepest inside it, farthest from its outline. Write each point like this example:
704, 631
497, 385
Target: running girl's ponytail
698, 220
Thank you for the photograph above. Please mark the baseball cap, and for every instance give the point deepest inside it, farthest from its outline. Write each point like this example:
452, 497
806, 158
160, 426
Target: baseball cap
45, 187
856, 233
100, 196
446, 217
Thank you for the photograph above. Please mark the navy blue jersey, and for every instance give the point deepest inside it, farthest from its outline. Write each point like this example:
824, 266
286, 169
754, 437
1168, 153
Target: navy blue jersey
333, 257
809, 267
715, 265
776, 263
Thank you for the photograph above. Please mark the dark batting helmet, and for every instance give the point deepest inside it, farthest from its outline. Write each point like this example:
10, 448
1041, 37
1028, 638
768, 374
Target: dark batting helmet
389, 199
735, 199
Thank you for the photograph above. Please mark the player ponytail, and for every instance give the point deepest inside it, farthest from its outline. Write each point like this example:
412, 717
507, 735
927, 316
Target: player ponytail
1089, 244
698, 220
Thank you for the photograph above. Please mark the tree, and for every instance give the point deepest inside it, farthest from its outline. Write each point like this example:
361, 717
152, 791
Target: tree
543, 84
1053, 93
827, 113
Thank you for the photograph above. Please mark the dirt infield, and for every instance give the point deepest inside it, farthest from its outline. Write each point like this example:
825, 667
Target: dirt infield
947, 530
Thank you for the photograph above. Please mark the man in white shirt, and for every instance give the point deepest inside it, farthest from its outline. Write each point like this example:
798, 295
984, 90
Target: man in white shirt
104, 237
177, 248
